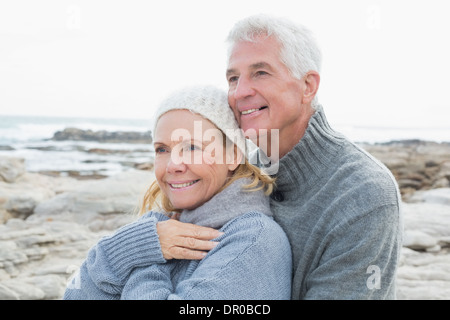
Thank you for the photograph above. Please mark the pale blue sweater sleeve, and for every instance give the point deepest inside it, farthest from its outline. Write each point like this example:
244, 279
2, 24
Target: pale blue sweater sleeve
109, 263
252, 261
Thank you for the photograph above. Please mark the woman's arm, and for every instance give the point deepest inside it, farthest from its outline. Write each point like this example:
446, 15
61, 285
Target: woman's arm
109, 263
251, 261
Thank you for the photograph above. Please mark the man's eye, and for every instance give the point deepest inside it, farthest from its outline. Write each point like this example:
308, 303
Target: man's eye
261, 73
232, 79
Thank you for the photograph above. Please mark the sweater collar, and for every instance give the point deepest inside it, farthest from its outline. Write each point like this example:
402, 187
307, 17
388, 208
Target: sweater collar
228, 204
311, 157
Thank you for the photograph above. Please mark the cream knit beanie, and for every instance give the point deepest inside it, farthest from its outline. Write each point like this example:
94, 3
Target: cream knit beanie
211, 103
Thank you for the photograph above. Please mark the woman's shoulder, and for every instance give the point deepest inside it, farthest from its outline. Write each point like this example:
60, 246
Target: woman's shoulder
253, 218
154, 214
257, 225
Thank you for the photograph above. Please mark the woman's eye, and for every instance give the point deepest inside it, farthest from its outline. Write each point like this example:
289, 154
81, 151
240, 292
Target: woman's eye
160, 150
192, 147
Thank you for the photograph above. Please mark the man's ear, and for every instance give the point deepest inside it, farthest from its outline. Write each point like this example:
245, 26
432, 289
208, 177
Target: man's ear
312, 81
234, 158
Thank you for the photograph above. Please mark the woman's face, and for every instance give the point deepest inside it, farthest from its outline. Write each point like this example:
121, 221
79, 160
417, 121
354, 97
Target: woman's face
190, 158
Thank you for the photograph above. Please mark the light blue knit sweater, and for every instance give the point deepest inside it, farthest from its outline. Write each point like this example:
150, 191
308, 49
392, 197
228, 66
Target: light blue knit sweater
252, 260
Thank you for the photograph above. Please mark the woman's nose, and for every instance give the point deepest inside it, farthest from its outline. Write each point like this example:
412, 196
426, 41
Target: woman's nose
176, 164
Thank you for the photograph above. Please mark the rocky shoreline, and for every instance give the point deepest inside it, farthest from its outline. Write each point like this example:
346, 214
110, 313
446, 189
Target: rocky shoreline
49, 222
76, 134
85, 154
416, 165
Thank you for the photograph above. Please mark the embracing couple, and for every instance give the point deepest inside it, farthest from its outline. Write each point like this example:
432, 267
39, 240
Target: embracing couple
304, 215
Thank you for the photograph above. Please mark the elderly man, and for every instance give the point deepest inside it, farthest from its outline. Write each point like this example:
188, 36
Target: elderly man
339, 206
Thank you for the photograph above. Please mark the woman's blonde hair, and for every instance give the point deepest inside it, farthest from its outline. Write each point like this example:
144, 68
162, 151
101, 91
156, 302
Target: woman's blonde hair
154, 198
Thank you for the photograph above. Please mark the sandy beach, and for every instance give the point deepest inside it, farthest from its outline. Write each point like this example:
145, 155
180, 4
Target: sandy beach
48, 222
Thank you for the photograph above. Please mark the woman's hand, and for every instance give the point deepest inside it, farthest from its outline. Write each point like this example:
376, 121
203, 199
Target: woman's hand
184, 240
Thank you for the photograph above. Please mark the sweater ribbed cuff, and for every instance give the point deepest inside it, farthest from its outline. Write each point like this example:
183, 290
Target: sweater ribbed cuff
134, 245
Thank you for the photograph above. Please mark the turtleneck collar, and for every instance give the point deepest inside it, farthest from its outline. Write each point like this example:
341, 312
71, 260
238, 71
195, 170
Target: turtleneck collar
311, 156
228, 204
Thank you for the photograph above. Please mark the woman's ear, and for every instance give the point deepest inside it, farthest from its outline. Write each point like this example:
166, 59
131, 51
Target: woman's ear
234, 158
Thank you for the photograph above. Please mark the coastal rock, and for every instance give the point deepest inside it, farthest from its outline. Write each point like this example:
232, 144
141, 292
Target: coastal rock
423, 275
11, 168
20, 198
99, 203
38, 257
40, 251
40, 254
418, 240
6, 148
416, 165
76, 134
439, 196
429, 214
425, 262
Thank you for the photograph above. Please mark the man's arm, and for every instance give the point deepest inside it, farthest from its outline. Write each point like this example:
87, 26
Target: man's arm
184, 240
360, 259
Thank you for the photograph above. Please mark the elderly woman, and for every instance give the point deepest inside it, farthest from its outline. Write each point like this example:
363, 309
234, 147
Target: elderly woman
202, 177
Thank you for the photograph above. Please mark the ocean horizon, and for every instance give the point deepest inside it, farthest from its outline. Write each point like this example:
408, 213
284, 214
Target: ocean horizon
30, 137
14, 128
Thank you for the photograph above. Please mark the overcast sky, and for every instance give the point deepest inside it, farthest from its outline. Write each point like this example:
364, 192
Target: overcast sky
386, 63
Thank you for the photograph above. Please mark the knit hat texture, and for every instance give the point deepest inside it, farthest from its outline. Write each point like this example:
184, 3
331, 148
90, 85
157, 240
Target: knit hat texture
209, 102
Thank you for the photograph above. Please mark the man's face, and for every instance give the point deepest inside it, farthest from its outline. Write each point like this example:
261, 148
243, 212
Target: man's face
262, 92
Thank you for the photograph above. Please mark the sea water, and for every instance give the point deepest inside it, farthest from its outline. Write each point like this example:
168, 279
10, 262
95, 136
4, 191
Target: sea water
30, 138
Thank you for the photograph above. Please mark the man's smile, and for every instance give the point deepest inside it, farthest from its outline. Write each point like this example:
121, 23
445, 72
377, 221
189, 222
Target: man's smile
250, 111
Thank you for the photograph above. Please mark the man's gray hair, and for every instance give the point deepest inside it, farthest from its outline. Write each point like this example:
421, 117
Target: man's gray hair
299, 49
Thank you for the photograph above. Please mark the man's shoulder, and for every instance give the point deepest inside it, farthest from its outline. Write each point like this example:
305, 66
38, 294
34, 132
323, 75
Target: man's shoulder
360, 162
363, 175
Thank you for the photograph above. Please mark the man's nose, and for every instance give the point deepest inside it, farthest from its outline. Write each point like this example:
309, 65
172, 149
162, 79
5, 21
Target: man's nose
243, 89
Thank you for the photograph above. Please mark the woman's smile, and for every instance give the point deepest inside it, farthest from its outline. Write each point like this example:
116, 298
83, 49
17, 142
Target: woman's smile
182, 185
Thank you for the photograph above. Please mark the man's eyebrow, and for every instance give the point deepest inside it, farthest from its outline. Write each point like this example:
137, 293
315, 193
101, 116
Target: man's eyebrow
230, 71
254, 66
259, 65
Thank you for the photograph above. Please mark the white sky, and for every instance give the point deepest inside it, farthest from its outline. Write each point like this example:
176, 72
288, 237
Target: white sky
386, 63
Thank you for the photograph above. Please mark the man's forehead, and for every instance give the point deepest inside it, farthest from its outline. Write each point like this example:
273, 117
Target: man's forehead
254, 55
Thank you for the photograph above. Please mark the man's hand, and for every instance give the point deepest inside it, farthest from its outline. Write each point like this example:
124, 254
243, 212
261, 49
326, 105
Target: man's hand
184, 240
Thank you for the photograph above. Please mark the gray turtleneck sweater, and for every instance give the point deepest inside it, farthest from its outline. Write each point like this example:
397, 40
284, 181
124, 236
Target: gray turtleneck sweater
251, 261
340, 208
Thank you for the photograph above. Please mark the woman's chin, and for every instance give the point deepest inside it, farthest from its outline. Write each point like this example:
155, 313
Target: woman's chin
184, 205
